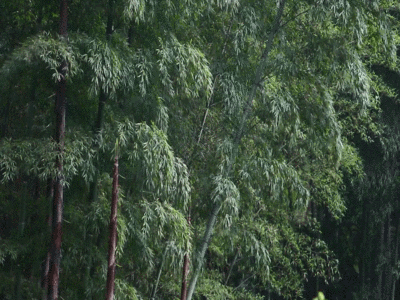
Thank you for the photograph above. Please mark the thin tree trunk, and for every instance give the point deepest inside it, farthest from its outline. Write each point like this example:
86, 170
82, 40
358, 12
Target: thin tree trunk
185, 271
60, 106
58, 198
30, 116
113, 234
209, 102
380, 257
46, 266
314, 215
130, 33
154, 291
97, 129
37, 258
396, 253
371, 263
186, 260
203, 248
24, 183
98, 126
103, 96
364, 253
388, 254
45, 282
6, 113
371, 255
236, 141
21, 227
110, 19
231, 266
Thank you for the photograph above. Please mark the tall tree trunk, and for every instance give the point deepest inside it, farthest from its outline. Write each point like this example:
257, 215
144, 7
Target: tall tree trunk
237, 137
103, 96
388, 260
24, 183
60, 106
231, 267
98, 126
372, 256
363, 251
185, 270
113, 234
314, 215
186, 259
160, 267
46, 265
6, 112
22, 187
45, 280
202, 251
380, 257
131, 31
396, 252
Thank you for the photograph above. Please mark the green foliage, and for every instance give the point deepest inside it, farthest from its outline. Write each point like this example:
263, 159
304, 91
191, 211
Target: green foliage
110, 64
212, 108
36, 157
211, 287
320, 296
276, 250
45, 49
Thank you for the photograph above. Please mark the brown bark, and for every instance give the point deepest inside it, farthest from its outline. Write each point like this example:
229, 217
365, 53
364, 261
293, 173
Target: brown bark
60, 105
113, 234
46, 266
58, 196
185, 273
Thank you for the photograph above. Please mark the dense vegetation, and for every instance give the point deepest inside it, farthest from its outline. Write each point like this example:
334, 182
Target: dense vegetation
244, 149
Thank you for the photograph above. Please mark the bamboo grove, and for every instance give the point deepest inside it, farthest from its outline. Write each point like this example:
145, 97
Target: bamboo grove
199, 149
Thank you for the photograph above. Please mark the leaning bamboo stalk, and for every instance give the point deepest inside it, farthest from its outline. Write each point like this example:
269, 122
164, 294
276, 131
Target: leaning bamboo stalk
237, 137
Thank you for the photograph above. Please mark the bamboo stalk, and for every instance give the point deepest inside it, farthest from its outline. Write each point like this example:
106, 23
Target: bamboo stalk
58, 200
236, 141
113, 234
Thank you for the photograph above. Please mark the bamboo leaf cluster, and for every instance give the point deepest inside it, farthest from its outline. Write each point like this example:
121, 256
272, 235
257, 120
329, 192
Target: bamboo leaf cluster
245, 133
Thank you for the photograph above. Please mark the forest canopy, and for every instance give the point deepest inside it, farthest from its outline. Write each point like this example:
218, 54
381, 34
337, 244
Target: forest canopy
171, 149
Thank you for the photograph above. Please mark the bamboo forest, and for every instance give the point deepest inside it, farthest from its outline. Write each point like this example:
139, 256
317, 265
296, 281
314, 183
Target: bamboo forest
200, 149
